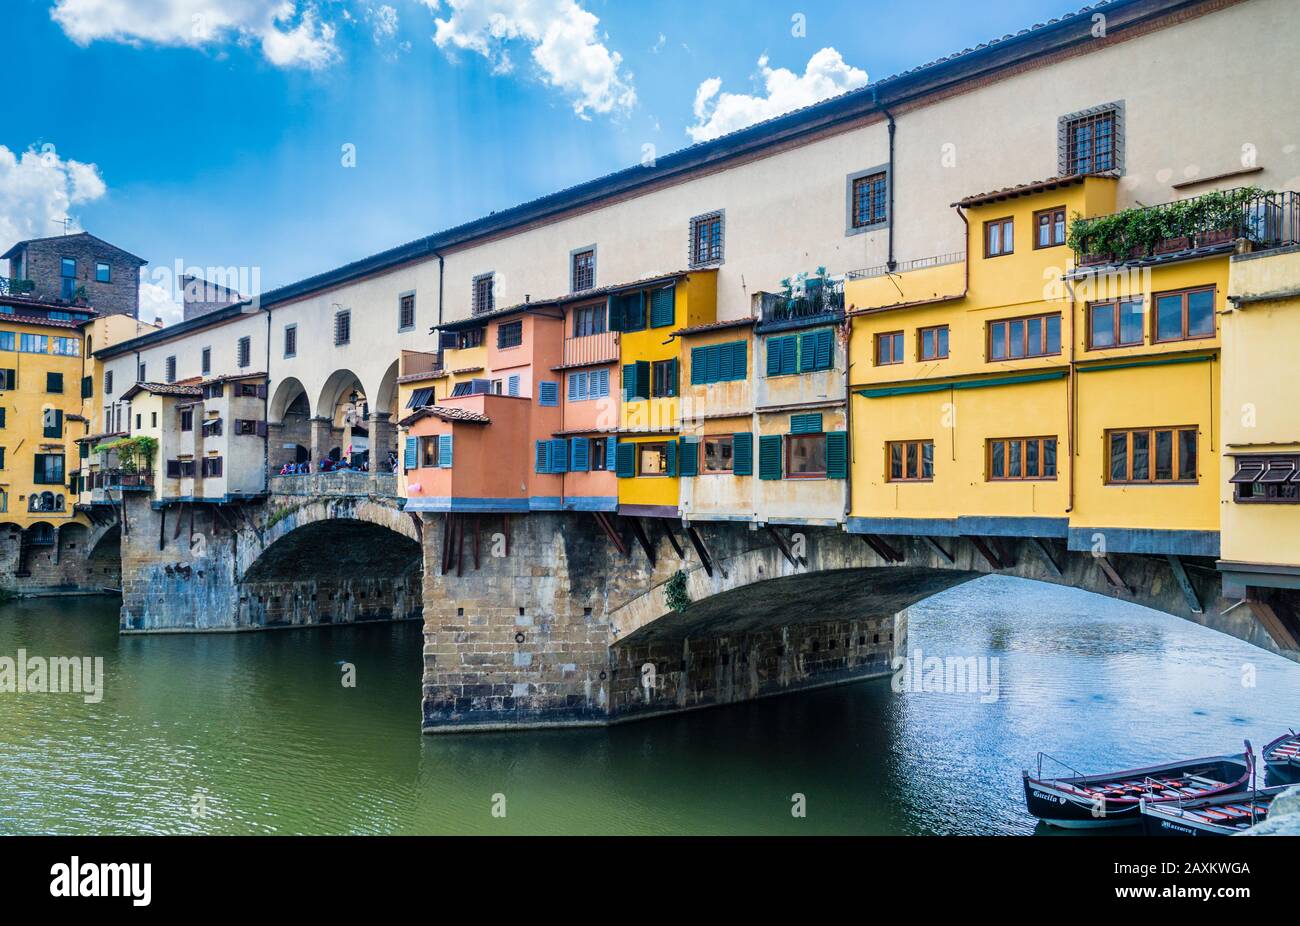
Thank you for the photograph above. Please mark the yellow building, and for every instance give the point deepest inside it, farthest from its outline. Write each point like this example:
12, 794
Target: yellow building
1031, 391
649, 413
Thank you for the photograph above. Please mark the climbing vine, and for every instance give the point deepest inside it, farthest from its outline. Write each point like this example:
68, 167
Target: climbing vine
1139, 230
132, 452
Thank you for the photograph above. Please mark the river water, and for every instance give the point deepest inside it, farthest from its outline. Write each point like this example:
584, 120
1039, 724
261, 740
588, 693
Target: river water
254, 733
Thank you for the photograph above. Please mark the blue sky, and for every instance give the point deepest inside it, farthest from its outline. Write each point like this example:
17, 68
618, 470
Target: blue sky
216, 129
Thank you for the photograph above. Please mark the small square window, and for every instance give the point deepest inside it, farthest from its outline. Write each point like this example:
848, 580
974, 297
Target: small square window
582, 273
484, 296
706, 239
868, 200
1091, 141
1049, 227
103, 273
889, 348
999, 237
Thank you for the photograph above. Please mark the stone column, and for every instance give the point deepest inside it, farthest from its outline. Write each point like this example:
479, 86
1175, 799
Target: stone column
322, 439
383, 436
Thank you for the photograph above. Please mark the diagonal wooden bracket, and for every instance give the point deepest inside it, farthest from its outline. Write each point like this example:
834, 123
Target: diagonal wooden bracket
985, 551
638, 531
1281, 630
1184, 583
700, 549
937, 548
1112, 576
783, 545
672, 538
1006, 556
882, 548
1046, 553
614, 536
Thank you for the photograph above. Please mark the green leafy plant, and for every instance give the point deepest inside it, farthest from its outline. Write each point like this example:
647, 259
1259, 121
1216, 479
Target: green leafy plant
133, 453
678, 598
1137, 232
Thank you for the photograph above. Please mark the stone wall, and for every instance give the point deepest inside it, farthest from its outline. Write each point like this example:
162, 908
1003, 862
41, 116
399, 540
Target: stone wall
66, 568
119, 296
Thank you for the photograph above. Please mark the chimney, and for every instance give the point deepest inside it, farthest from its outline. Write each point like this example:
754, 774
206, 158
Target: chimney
157, 320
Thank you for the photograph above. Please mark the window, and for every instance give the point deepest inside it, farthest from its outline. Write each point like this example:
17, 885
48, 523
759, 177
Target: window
245, 351
67, 347
1182, 316
1115, 324
627, 311
1090, 141
1152, 455
205, 361
291, 340
87, 387
1267, 479
153, 423
138, 424
889, 348
211, 466
171, 369
868, 200
717, 363
54, 382
999, 237
472, 337
652, 459
103, 273
108, 382
548, 393
910, 461
589, 320
706, 239
212, 427
2, 417
510, 334
247, 427
248, 390
180, 469
583, 385
664, 376
140, 371
6, 340
214, 390
2, 462
1049, 227
1034, 336
406, 312
33, 344
342, 327
49, 469
484, 298
582, 270
805, 456
719, 453
1022, 458
599, 454
429, 451
187, 419
68, 277
932, 343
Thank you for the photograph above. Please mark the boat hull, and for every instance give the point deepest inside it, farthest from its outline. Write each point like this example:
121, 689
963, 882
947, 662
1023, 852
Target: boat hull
1068, 811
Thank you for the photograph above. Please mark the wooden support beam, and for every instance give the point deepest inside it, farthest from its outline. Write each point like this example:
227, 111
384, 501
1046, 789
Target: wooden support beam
162, 528
476, 541
448, 533
614, 536
460, 546
700, 549
176, 531
1184, 583
881, 548
1005, 555
783, 545
1112, 576
1045, 552
638, 531
937, 548
1277, 626
985, 551
419, 526
505, 526
672, 538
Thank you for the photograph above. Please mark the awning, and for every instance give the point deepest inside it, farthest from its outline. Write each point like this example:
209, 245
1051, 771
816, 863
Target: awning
420, 398
1265, 470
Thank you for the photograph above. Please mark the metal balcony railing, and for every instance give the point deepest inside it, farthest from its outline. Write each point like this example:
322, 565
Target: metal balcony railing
591, 348
348, 482
1264, 219
117, 479
11, 287
820, 300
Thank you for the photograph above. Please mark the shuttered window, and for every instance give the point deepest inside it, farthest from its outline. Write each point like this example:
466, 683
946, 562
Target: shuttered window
769, 456
663, 306
444, 451
627, 312
611, 454
636, 381
837, 455
806, 424
742, 450
783, 355
816, 350
625, 460
543, 454
688, 463
420, 398
719, 363
664, 375
411, 455
559, 455
580, 454
548, 393
170, 367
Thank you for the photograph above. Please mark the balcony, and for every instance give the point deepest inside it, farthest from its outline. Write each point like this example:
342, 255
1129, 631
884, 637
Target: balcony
591, 349
120, 479
817, 301
1207, 223
12, 287
420, 364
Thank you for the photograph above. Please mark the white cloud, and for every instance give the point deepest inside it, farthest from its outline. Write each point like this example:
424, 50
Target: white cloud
566, 47
158, 301
37, 190
384, 18
289, 32
826, 75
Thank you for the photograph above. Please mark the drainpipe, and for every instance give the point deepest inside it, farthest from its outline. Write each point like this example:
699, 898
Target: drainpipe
266, 412
875, 99
1071, 403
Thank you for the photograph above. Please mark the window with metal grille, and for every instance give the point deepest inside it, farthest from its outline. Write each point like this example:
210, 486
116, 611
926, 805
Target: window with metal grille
1091, 142
510, 334
706, 239
246, 351
108, 382
342, 327
869, 199
212, 466
583, 271
406, 312
484, 297
291, 340
171, 369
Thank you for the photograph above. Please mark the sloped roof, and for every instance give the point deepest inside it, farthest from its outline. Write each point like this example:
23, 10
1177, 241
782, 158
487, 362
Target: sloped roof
1024, 189
445, 413
13, 251
174, 389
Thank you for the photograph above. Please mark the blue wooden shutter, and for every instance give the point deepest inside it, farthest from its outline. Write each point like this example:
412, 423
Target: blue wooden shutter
626, 462
837, 455
514, 385
774, 356
689, 462
698, 355
601, 388
769, 456
573, 387
548, 393
444, 451
670, 457
629, 382
739, 358
559, 455
611, 453
412, 455
543, 456
807, 351
580, 455
806, 424
663, 306
742, 454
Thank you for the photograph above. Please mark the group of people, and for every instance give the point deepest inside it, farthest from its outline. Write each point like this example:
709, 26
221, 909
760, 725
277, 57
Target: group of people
330, 465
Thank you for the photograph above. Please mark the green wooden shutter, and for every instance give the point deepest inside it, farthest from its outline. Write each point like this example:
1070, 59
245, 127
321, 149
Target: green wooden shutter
626, 460
642, 379
825, 348
689, 462
580, 456
698, 355
543, 456
412, 455
674, 377
629, 382
670, 457
444, 451
769, 456
837, 455
611, 453
559, 455
742, 454
807, 351
789, 354
615, 305
663, 306
774, 356
739, 359
806, 424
